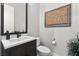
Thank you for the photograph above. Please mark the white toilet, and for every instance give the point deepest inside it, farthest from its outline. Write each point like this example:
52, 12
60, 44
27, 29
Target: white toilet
42, 50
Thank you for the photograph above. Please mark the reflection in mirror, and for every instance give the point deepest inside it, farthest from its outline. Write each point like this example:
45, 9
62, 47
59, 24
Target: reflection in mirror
8, 18
13, 18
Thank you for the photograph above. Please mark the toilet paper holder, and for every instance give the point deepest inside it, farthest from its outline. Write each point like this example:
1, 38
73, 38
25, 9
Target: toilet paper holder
54, 41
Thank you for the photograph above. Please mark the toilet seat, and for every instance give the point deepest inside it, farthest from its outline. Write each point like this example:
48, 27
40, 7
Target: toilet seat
43, 49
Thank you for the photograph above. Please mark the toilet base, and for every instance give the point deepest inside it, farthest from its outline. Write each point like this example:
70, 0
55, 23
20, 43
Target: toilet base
43, 50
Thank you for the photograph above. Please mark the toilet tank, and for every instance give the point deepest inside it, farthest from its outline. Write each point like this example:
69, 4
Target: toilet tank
38, 41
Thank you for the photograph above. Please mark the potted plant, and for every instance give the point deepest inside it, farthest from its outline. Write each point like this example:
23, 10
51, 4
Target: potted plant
73, 47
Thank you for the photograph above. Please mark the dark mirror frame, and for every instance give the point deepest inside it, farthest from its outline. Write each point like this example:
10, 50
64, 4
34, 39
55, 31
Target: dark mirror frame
2, 20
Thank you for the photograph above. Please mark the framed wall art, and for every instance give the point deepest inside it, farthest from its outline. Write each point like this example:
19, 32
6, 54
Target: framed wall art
59, 17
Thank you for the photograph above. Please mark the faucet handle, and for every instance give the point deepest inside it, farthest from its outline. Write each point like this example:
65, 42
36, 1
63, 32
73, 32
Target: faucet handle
18, 34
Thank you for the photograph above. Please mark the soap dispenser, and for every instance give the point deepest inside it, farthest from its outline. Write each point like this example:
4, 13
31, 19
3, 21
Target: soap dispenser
7, 35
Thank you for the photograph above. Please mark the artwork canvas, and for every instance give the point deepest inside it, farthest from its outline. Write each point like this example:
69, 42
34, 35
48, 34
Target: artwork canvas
60, 17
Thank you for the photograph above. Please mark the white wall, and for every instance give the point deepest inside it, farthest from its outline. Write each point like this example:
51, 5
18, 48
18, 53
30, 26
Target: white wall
33, 19
61, 34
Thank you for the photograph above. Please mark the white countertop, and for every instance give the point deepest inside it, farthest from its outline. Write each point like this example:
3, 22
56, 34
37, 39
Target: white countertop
14, 42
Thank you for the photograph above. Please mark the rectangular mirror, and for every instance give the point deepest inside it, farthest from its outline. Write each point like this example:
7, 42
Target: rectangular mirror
13, 18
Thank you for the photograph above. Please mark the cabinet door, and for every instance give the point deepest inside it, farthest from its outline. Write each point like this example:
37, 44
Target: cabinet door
26, 49
31, 48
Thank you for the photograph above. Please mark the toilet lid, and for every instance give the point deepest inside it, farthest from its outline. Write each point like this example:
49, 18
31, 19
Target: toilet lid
43, 49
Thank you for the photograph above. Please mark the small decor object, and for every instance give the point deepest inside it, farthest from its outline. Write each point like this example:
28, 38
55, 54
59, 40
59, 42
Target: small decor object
73, 47
60, 17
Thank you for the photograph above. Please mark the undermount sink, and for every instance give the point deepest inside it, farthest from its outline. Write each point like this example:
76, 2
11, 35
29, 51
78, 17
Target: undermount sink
14, 39
20, 38
25, 37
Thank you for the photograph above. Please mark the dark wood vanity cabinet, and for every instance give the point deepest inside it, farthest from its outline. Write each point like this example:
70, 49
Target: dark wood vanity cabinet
26, 49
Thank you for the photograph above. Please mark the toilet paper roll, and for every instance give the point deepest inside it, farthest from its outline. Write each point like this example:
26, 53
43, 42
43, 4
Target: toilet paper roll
53, 42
